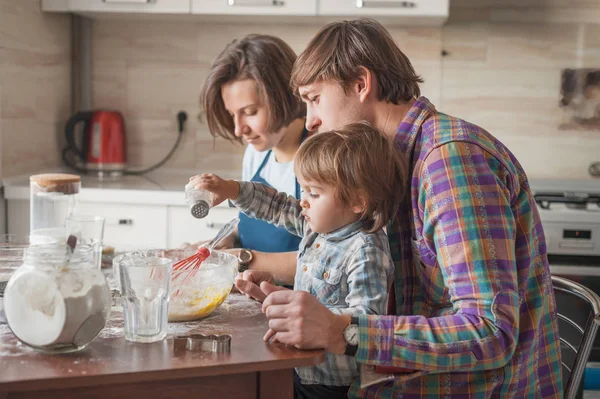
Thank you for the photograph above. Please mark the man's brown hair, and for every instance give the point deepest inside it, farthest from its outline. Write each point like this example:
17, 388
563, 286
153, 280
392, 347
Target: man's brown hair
268, 61
357, 160
338, 51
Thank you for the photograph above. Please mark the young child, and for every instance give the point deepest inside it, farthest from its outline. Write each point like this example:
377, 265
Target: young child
350, 179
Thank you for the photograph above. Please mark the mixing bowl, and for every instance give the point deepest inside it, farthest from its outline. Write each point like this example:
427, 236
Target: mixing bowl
195, 293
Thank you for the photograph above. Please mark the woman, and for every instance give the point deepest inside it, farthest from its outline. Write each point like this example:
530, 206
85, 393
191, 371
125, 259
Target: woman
247, 98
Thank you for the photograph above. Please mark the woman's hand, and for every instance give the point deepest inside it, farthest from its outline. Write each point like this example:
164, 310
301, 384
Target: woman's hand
221, 189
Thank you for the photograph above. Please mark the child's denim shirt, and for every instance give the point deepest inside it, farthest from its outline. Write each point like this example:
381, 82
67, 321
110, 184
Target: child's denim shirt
347, 270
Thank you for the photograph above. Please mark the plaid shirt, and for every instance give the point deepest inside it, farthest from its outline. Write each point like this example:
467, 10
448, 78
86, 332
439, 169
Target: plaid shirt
477, 315
348, 270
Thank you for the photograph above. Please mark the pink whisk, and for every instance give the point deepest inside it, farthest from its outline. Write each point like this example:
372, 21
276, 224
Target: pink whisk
190, 265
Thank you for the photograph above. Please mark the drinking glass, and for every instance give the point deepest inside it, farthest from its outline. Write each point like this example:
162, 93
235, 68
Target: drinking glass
145, 290
87, 230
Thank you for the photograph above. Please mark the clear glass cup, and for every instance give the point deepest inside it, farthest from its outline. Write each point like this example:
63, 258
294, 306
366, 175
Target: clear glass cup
88, 230
145, 290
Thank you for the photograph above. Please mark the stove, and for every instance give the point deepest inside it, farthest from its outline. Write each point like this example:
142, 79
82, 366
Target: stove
570, 214
571, 219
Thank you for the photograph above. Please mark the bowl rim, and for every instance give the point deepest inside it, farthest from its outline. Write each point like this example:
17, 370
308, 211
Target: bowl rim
232, 257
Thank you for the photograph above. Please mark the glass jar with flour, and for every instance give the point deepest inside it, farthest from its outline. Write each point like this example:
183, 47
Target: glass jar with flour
58, 300
53, 197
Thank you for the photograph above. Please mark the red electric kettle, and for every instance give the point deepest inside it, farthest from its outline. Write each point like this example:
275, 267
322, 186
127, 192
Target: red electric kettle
102, 146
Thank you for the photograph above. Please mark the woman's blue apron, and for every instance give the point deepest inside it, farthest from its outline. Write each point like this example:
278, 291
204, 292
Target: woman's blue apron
262, 236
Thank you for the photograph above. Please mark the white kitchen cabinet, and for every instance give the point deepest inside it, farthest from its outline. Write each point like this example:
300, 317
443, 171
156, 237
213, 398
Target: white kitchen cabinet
184, 228
127, 227
130, 227
119, 6
255, 7
413, 11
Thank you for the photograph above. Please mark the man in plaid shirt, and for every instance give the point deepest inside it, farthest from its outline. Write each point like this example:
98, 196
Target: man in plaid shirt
475, 315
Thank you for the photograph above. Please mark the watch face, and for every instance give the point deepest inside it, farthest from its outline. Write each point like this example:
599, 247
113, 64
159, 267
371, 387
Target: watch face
351, 334
245, 256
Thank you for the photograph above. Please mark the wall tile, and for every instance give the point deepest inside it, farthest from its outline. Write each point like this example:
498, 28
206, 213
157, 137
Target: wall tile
37, 85
147, 41
503, 75
421, 45
212, 39
159, 90
543, 4
533, 45
218, 155
109, 84
591, 46
35, 74
461, 15
29, 145
466, 44
1, 101
432, 87
486, 78
545, 15
566, 156
24, 27
150, 140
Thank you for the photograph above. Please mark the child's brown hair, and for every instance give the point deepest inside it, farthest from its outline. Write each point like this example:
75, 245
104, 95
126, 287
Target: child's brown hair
357, 160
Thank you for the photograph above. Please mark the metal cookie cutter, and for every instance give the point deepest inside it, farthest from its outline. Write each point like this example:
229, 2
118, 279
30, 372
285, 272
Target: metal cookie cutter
206, 343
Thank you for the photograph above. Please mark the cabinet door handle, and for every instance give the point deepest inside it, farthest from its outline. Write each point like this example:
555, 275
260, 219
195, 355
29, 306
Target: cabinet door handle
385, 4
120, 222
214, 225
259, 3
130, 1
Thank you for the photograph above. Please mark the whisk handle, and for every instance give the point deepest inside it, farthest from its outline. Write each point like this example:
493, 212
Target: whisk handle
224, 232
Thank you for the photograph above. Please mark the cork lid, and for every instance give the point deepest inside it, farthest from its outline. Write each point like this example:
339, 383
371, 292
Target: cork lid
58, 182
52, 179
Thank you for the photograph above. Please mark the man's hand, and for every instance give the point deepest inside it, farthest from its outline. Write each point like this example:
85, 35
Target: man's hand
249, 281
299, 319
222, 189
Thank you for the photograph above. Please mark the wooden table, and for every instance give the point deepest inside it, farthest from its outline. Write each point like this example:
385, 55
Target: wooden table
111, 367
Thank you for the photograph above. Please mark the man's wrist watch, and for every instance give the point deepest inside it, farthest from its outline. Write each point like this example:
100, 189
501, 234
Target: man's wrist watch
244, 259
351, 337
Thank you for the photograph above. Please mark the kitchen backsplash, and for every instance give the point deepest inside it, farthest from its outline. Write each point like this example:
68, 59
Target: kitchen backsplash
35, 86
496, 63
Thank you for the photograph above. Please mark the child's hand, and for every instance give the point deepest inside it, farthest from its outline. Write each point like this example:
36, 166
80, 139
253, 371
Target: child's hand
221, 189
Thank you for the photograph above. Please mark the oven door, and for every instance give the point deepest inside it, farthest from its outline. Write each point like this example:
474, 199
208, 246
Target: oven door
586, 271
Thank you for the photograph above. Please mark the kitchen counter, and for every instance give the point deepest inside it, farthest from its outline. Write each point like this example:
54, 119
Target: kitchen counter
113, 367
163, 187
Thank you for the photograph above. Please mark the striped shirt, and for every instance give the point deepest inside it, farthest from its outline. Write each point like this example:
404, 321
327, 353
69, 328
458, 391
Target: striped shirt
476, 315
347, 270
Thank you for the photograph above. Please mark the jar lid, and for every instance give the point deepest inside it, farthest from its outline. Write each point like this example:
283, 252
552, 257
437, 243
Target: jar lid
53, 179
57, 182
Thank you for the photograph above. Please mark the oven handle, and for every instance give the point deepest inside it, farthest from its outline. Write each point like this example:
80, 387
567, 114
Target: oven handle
585, 271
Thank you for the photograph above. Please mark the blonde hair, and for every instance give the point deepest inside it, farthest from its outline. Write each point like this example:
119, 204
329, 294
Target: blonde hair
340, 49
268, 61
357, 160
